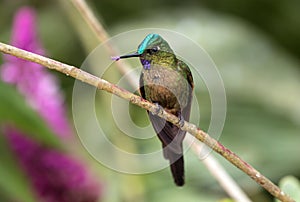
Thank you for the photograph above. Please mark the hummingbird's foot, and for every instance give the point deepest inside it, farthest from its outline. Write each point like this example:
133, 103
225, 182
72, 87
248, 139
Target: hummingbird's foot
158, 109
181, 120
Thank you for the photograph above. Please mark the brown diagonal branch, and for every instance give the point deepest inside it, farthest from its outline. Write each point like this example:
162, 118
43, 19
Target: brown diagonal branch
137, 100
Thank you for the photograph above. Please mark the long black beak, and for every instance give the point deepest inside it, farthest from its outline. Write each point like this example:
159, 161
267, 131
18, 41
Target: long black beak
116, 58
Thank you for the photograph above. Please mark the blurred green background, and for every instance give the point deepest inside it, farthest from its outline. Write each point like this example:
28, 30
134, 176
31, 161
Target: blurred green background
256, 47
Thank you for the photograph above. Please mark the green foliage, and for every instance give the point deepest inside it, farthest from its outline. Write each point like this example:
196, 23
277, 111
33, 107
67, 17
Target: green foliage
13, 182
14, 110
187, 195
226, 200
291, 186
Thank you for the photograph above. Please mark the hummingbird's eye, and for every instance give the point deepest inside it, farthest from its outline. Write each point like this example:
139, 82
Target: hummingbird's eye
153, 50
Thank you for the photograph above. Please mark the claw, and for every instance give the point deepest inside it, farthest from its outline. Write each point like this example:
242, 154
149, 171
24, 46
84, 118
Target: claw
181, 121
158, 109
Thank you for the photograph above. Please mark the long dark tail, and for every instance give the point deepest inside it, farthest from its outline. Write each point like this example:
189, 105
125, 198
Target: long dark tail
177, 169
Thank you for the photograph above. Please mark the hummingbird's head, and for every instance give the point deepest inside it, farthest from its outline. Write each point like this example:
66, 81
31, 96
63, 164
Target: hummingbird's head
153, 49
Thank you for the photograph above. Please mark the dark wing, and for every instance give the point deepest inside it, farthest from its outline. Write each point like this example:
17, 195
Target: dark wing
187, 72
142, 90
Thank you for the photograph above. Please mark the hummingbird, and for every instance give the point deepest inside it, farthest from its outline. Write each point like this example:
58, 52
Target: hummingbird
167, 82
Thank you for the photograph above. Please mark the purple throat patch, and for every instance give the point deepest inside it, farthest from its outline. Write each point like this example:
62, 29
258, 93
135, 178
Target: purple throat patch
146, 64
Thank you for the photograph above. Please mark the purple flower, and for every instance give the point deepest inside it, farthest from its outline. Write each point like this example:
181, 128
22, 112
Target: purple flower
56, 176
32, 80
